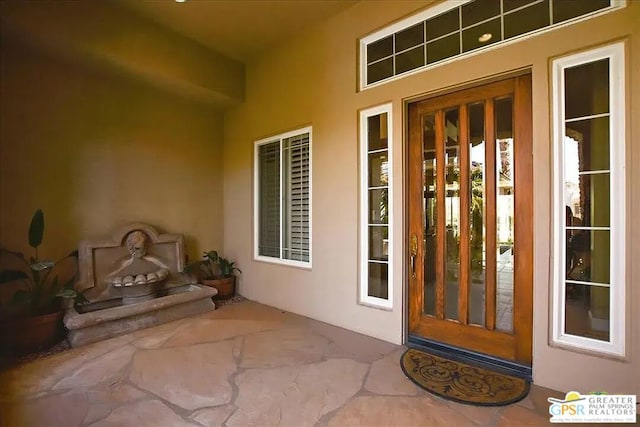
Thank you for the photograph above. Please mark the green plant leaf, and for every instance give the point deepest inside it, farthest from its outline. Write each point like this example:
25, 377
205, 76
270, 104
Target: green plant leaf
36, 229
66, 293
11, 275
81, 299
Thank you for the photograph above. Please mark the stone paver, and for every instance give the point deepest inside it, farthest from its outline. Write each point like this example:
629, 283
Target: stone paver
116, 393
213, 417
397, 411
482, 415
103, 368
520, 416
212, 330
66, 409
42, 374
190, 377
156, 337
351, 345
150, 413
384, 378
244, 364
295, 396
97, 412
295, 346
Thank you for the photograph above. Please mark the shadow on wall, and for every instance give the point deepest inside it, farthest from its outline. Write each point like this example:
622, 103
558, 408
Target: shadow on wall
97, 151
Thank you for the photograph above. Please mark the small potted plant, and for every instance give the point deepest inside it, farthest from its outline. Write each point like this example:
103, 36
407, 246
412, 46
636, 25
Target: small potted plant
217, 272
31, 319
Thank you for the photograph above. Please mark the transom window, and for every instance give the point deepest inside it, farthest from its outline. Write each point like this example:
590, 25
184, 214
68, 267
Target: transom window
456, 27
589, 147
282, 198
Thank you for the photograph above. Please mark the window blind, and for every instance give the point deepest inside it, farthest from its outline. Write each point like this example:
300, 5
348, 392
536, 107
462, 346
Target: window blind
295, 212
269, 210
284, 199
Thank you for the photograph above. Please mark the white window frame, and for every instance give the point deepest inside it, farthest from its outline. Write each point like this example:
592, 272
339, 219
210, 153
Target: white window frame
617, 131
256, 199
441, 8
364, 298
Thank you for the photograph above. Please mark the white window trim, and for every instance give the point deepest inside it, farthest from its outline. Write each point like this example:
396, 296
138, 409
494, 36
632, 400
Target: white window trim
256, 200
616, 55
364, 298
439, 9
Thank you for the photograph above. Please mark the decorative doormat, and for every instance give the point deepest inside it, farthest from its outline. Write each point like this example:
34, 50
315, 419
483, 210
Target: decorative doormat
460, 382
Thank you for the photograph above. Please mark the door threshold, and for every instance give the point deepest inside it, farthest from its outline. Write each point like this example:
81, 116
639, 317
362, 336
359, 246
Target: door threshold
471, 357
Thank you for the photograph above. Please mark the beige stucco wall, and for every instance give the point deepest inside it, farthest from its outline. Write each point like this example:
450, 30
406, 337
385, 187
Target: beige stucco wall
95, 151
107, 36
312, 80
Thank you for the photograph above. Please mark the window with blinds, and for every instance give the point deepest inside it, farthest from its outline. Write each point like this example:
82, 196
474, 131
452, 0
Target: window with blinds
283, 198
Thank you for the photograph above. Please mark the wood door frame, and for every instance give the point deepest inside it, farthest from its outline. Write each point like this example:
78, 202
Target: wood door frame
523, 181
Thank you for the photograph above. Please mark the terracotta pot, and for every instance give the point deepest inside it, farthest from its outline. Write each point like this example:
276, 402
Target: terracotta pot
29, 334
226, 287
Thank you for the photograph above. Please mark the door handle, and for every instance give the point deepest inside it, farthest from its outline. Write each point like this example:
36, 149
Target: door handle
413, 248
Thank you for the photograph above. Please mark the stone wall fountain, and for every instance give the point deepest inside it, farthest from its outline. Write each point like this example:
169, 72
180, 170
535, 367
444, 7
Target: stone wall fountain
132, 281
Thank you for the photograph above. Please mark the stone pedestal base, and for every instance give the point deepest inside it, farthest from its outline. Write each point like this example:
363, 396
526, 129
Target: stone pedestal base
102, 324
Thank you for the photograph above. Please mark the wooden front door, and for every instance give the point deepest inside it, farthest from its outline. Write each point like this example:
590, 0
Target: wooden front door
471, 219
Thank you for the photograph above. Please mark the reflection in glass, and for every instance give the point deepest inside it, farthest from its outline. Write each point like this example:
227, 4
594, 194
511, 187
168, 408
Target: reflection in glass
378, 169
410, 60
587, 145
587, 190
378, 280
429, 206
588, 197
479, 10
379, 70
514, 4
587, 311
588, 255
526, 20
410, 37
380, 49
567, 9
378, 205
443, 24
452, 212
586, 89
378, 243
476, 216
471, 36
504, 214
378, 133
378, 212
443, 48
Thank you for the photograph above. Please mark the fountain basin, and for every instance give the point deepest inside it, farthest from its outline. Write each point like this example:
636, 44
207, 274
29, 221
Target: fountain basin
106, 319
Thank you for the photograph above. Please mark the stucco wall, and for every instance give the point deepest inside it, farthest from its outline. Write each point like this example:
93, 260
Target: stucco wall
96, 151
312, 80
106, 36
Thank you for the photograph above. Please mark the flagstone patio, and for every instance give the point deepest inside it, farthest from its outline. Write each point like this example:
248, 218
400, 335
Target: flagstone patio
244, 364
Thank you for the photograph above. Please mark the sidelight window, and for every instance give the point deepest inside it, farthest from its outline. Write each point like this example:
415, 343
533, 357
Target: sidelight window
375, 206
589, 160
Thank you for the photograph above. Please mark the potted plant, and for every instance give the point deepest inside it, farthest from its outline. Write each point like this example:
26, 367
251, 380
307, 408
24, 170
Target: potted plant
31, 318
217, 272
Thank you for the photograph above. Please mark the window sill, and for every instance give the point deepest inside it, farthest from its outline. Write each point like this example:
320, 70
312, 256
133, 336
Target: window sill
284, 262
